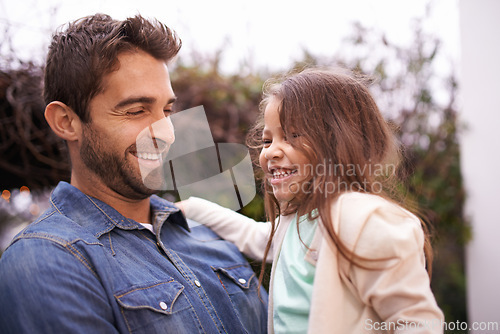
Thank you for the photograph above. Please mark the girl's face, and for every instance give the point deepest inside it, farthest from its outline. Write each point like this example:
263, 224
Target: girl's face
286, 167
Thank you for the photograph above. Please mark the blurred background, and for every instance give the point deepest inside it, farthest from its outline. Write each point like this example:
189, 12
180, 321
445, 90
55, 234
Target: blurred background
435, 65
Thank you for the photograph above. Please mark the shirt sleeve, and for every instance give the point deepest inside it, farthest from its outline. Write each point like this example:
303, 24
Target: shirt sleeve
249, 236
46, 287
393, 279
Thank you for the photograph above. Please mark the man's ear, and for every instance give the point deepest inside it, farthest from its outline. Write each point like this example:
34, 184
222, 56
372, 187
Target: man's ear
63, 121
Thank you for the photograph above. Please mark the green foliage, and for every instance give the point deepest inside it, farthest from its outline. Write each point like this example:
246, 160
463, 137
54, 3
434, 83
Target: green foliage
31, 155
230, 101
407, 87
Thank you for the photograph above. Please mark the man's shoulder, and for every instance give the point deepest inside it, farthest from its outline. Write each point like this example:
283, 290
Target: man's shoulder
49, 242
201, 232
55, 227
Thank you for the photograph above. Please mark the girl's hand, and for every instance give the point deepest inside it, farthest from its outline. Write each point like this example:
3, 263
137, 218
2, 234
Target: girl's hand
180, 205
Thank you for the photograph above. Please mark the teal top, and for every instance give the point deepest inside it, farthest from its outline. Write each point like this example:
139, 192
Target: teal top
294, 278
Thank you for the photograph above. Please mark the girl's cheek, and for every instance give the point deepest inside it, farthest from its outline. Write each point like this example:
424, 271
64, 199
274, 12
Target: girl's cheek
263, 160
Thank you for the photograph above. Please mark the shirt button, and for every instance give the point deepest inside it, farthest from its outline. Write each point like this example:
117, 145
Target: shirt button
242, 280
163, 305
197, 283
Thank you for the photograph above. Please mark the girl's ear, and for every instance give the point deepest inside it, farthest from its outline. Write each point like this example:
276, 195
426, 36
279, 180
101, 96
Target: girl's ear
63, 121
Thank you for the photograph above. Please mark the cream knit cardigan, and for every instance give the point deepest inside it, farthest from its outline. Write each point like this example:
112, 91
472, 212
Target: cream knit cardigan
393, 296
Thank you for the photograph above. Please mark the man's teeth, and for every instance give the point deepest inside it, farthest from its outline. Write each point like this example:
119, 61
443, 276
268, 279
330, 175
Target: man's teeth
282, 173
148, 156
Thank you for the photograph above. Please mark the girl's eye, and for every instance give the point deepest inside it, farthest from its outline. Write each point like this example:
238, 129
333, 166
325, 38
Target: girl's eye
168, 112
266, 142
292, 136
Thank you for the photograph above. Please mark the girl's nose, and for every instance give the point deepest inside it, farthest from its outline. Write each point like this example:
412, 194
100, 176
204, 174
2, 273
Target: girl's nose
273, 152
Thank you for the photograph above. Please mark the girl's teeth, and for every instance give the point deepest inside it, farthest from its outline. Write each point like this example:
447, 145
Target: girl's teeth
281, 174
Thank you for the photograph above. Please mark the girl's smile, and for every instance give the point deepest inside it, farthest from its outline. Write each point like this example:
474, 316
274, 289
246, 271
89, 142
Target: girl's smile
280, 175
284, 165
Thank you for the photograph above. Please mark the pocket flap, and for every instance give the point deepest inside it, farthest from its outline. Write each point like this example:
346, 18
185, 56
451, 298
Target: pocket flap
159, 297
241, 274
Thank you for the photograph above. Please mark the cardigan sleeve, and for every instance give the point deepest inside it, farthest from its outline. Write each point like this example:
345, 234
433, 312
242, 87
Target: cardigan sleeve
249, 236
391, 277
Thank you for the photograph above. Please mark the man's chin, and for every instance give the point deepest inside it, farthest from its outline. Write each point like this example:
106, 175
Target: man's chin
155, 181
136, 189
139, 193
145, 191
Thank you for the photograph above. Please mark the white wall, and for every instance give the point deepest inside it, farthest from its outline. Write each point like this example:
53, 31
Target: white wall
480, 93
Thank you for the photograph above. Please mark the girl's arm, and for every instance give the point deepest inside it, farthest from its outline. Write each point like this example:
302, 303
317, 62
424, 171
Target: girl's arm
248, 235
396, 285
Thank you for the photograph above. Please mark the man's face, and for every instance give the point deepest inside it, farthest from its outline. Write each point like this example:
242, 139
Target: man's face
130, 125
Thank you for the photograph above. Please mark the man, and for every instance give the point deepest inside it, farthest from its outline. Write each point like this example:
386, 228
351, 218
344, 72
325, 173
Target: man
108, 256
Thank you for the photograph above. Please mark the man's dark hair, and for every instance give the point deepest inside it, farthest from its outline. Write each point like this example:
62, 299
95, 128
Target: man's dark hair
86, 50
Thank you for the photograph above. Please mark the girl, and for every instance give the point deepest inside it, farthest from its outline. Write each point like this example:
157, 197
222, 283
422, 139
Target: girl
347, 259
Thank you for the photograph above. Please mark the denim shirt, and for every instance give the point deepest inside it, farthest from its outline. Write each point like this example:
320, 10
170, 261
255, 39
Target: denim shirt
84, 268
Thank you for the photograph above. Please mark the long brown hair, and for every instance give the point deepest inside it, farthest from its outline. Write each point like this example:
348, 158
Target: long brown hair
343, 132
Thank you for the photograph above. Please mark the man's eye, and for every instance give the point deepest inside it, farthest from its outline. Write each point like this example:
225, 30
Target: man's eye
135, 112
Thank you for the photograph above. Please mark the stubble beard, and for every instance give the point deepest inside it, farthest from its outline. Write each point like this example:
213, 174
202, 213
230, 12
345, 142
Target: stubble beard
116, 172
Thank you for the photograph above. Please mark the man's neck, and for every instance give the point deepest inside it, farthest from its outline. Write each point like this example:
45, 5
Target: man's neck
136, 209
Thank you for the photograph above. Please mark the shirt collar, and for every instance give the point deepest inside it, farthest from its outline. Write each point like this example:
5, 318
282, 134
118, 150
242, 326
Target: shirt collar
162, 209
100, 218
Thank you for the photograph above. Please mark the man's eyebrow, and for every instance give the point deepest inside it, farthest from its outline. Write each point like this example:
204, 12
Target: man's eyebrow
140, 99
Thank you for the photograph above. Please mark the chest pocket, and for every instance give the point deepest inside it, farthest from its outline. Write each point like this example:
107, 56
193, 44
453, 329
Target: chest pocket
156, 307
241, 285
235, 279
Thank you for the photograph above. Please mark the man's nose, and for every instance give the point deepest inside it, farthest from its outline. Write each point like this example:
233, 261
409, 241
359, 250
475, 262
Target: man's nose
163, 130
157, 137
